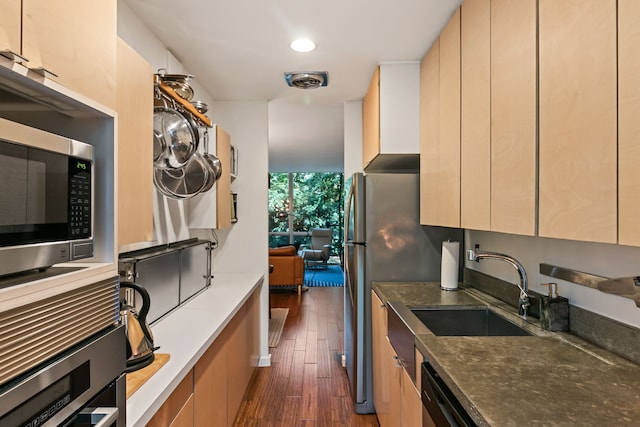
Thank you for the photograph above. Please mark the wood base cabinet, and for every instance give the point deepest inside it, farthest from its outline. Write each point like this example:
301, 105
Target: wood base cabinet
212, 392
177, 410
395, 397
224, 371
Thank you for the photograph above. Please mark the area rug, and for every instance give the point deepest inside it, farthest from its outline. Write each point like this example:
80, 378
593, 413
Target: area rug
331, 276
276, 324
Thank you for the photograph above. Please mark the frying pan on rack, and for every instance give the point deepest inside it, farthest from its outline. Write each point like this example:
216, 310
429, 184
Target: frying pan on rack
175, 137
184, 182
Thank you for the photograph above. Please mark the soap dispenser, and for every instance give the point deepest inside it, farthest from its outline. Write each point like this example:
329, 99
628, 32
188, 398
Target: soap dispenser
554, 310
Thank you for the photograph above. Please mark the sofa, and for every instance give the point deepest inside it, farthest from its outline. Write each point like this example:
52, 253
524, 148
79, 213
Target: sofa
288, 267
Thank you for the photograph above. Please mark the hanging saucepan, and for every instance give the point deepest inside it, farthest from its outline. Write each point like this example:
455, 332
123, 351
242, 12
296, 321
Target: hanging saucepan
175, 137
185, 182
213, 163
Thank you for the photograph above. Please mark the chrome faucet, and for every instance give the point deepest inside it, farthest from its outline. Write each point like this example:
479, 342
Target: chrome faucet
523, 301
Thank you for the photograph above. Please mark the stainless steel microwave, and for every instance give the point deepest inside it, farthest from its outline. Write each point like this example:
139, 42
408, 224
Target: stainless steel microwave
46, 198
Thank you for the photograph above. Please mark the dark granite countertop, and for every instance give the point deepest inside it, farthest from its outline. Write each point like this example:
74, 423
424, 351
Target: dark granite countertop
551, 378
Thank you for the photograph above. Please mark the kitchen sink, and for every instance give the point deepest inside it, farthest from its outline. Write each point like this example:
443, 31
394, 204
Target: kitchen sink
457, 321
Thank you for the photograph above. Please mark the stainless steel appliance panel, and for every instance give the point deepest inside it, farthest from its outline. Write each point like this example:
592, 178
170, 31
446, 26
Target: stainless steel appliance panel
384, 241
160, 276
193, 270
68, 383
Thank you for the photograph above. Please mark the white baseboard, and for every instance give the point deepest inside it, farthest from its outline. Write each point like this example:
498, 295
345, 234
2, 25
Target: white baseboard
265, 360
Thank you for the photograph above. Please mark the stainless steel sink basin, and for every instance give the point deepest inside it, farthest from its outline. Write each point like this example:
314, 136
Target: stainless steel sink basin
456, 321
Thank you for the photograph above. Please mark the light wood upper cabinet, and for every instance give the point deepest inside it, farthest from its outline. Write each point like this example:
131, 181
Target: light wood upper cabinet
390, 118
498, 116
513, 116
429, 133
223, 192
75, 39
212, 209
135, 138
475, 115
578, 120
440, 133
628, 122
371, 120
11, 26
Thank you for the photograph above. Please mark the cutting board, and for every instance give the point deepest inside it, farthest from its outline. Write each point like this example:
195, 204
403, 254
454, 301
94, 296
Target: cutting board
136, 379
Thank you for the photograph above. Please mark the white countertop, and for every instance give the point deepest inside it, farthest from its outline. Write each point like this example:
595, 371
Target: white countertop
185, 334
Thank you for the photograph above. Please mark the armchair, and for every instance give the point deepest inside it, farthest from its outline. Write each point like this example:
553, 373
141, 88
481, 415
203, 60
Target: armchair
317, 255
288, 267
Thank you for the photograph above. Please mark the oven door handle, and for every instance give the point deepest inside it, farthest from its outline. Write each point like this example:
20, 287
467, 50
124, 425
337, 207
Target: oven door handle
98, 417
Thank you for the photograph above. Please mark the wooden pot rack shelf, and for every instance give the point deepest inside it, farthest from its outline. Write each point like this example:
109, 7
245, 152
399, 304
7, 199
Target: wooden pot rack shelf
171, 94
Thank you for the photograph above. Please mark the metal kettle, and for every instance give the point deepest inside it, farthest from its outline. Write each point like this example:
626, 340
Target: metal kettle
139, 337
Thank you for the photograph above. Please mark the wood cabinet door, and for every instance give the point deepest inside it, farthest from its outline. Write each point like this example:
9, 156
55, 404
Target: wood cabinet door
135, 151
11, 25
440, 129
578, 120
371, 120
75, 39
628, 122
410, 403
185, 416
513, 116
394, 373
429, 134
174, 407
381, 398
210, 385
223, 185
475, 115
448, 181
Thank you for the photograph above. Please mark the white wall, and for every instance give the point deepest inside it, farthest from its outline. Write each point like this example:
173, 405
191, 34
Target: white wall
243, 248
352, 138
595, 258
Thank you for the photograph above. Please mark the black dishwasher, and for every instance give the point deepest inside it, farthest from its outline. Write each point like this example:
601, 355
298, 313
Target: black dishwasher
439, 401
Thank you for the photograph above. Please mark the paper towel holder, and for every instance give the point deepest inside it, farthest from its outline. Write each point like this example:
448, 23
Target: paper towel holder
449, 269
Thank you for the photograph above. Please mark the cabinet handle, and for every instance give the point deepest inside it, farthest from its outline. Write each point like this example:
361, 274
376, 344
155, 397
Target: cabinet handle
398, 362
44, 72
15, 57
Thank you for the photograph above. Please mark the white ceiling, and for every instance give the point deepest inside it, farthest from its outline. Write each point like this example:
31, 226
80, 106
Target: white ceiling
239, 50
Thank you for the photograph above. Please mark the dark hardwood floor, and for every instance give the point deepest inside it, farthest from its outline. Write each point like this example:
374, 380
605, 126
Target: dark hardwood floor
305, 384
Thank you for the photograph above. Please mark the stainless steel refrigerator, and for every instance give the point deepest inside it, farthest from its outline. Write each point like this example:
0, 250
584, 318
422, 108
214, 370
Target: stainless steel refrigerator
384, 241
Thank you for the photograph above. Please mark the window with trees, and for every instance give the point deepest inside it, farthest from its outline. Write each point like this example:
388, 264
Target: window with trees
299, 202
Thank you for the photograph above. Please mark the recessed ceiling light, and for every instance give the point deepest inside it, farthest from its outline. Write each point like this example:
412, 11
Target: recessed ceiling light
302, 45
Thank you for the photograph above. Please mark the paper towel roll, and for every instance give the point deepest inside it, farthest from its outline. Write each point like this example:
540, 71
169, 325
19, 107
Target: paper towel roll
449, 267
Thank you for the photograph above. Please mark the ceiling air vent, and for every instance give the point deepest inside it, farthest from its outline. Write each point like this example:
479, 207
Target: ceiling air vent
307, 80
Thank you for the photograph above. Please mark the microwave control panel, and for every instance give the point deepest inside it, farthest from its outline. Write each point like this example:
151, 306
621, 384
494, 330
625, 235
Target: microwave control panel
79, 198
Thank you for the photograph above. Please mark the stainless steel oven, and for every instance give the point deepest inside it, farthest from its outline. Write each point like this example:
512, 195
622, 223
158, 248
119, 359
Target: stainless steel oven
84, 386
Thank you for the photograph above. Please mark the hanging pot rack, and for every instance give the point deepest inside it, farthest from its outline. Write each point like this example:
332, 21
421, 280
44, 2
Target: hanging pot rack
183, 103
